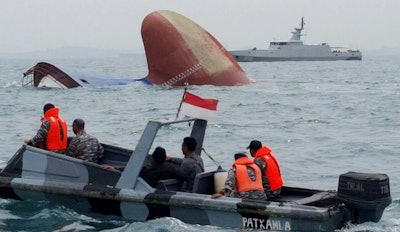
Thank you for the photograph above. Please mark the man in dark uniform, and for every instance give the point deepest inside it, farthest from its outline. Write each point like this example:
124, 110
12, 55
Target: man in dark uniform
159, 170
192, 164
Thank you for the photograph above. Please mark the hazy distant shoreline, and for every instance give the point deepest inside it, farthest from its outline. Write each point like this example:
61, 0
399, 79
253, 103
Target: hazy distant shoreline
74, 52
85, 52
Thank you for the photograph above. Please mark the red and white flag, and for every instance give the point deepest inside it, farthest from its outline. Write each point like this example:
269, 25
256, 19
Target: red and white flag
193, 106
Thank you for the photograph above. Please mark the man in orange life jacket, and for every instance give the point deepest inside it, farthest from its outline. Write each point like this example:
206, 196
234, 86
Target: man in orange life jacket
269, 166
243, 180
52, 134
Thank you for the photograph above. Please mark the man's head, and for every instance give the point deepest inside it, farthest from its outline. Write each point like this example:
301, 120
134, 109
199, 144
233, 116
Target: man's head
159, 155
78, 125
239, 155
189, 145
254, 146
47, 107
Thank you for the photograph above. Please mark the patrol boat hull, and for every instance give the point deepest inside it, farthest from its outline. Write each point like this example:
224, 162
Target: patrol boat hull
296, 53
36, 174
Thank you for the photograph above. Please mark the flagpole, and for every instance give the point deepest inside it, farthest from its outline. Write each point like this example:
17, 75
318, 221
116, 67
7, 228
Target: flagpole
180, 105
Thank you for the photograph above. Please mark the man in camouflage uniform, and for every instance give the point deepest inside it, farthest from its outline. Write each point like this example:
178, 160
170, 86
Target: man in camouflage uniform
52, 138
84, 146
274, 179
231, 185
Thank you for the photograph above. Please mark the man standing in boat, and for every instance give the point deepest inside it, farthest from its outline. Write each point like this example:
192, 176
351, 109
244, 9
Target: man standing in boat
52, 134
269, 166
191, 164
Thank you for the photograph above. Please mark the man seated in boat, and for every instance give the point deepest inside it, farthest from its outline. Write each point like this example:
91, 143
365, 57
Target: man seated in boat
159, 170
243, 180
84, 146
269, 166
191, 164
52, 134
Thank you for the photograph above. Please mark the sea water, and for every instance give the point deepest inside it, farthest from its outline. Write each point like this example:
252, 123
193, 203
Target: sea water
321, 119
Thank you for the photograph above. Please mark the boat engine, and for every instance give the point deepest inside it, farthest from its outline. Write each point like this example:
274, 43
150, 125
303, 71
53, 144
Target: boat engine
366, 195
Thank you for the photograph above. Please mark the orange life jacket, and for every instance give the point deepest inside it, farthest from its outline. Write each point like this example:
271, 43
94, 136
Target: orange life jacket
56, 139
273, 171
243, 180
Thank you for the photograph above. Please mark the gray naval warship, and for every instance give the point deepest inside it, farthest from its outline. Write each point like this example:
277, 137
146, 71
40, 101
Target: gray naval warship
36, 174
295, 50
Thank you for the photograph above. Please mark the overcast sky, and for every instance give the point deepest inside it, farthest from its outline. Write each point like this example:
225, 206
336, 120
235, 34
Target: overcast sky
31, 25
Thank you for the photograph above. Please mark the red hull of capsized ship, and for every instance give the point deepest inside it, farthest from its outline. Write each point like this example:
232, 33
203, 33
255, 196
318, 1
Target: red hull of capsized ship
179, 52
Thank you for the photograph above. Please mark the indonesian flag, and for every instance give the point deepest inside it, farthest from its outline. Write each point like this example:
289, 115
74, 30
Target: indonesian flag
196, 107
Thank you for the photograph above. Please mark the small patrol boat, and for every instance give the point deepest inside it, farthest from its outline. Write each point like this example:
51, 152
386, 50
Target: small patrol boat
295, 50
36, 174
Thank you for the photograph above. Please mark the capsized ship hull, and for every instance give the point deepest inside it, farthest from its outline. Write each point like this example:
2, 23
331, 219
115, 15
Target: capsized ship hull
46, 75
36, 174
179, 52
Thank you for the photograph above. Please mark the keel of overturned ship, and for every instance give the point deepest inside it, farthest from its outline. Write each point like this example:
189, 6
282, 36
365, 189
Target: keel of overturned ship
179, 52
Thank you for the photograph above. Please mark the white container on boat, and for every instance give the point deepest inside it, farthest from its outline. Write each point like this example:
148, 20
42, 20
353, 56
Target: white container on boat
219, 180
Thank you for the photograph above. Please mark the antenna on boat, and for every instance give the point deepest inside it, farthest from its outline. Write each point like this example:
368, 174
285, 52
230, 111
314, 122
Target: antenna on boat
211, 158
219, 176
180, 105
